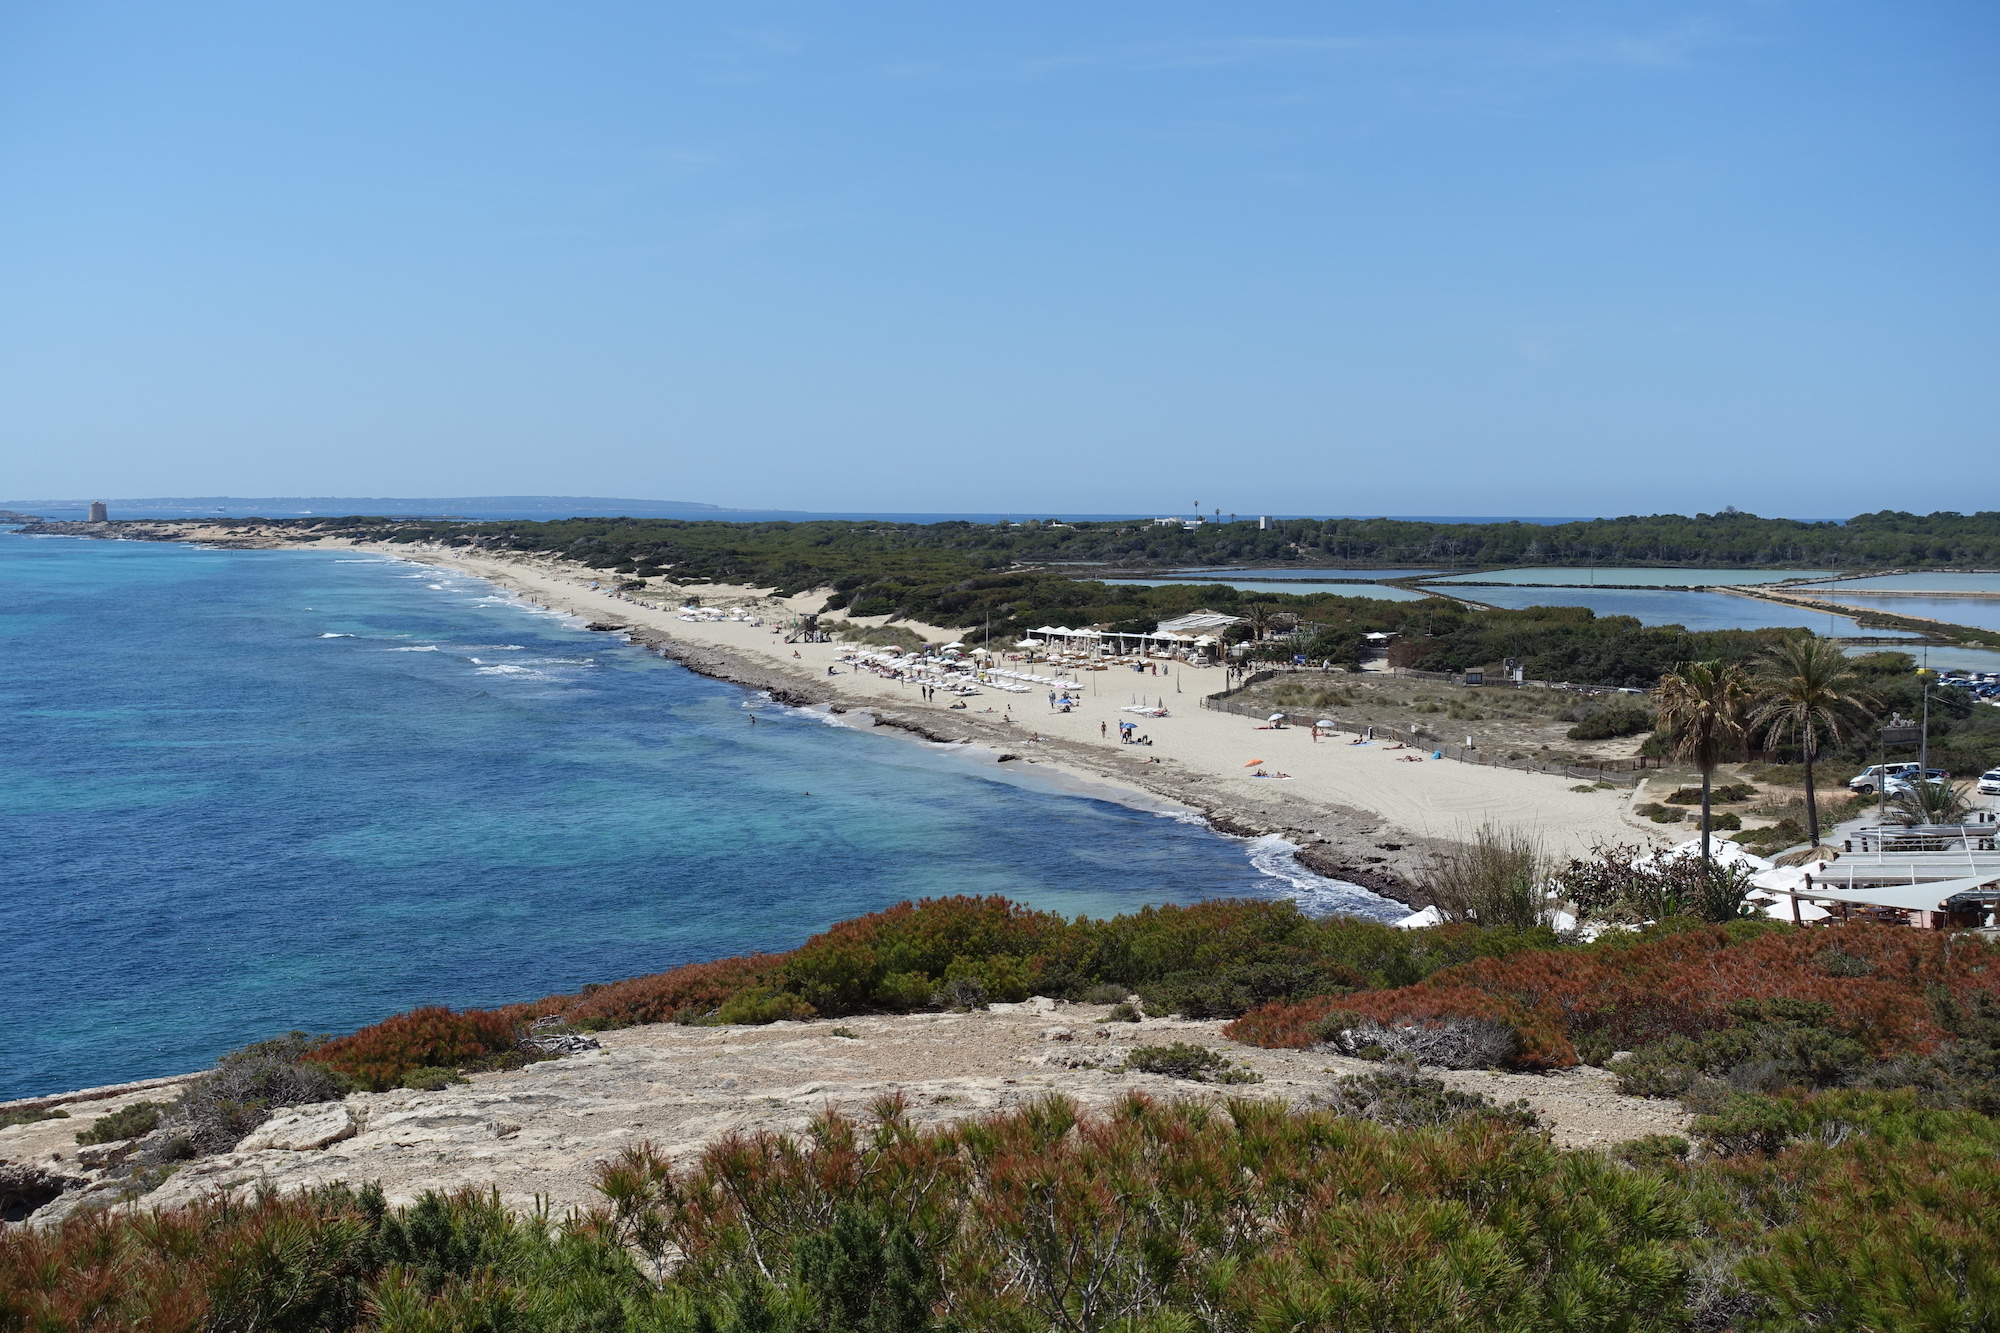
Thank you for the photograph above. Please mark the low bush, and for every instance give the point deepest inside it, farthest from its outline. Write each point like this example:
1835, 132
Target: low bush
377, 1057
239, 1094
1729, 794
680, 996
1407, 1207
1185, 1060
1892, 991
1772, 837
1235, 991
127, 1122
430, 1078
1401, 1096
875, 636
1620, 720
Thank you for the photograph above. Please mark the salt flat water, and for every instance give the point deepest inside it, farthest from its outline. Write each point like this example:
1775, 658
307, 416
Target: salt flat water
1942, 657
1979, 612
1920, 583
1382, 592
1634, 577
247, 791
1669, 606
1295, 572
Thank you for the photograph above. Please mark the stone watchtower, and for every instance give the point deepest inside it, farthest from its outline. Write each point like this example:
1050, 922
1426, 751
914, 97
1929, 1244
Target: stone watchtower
97, 514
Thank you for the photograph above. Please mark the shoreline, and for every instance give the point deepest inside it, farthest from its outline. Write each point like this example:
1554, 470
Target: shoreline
795, 688
1356, 813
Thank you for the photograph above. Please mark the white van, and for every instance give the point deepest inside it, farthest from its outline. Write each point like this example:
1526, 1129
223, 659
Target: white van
1871, 777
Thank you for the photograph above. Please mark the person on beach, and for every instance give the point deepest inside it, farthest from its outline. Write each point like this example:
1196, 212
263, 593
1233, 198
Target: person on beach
1052, 698
1102, 732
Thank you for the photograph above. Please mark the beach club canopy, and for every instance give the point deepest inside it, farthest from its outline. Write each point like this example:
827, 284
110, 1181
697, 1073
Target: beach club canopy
1905, 897
954, 645
1027, 643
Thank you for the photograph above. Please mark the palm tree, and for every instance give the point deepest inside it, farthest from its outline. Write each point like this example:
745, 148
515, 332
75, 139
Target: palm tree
1701, 709
1807, 690
1927, 802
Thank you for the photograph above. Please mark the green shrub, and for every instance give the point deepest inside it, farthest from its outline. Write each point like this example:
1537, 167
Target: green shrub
1179, 1060
1769, 1044
1618, 720
127, 1122
762, 1005
1403, 1097
431, 1079
1235, 991
900, 992
239, 1094
1108, 992
1653, 1151
1126, 1012
1724, 795
1772, 837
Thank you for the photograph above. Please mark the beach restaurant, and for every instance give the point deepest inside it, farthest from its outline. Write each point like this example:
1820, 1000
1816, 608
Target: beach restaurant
1949, 884
1190, 636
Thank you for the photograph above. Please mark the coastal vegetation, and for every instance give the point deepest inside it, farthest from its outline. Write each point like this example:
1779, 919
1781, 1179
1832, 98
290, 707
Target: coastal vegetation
1840, 1172
809, 554
1008, 579
1156, 1216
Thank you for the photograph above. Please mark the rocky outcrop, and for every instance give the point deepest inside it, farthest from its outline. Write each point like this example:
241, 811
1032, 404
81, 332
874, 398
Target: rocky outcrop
304, 1129
26, 1189
537, 1133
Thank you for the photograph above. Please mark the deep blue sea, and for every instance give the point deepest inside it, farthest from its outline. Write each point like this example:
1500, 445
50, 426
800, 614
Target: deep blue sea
248, 791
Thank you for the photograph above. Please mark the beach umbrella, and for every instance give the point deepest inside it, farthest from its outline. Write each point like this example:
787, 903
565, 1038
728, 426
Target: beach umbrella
1323, 722
954, 645
1275, 717
1252, 763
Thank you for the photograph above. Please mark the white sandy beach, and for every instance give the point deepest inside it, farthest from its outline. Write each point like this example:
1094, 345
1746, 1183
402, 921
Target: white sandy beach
1201, 754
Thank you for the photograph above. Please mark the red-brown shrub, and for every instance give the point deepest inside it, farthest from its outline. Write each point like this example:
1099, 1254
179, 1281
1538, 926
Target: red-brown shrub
433, 1036
701, 987
1877, 980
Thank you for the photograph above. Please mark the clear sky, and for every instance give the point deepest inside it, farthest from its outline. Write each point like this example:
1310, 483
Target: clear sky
1421, 258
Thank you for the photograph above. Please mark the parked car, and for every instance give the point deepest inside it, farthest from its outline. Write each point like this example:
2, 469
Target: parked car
1871, 777
1896, 784
1989, 782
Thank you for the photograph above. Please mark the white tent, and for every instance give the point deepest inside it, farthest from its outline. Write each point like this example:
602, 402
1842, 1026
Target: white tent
1904, 897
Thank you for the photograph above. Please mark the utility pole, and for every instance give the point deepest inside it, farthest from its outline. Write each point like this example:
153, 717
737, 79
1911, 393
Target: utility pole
1924, 746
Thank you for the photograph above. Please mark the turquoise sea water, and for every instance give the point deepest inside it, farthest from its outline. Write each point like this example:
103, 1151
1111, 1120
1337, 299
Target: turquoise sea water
247, 791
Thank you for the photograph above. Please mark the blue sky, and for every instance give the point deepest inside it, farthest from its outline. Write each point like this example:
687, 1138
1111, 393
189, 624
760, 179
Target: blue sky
1530, 258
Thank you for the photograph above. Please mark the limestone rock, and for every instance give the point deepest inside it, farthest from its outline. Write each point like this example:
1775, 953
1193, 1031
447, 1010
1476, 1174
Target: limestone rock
302, 1129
